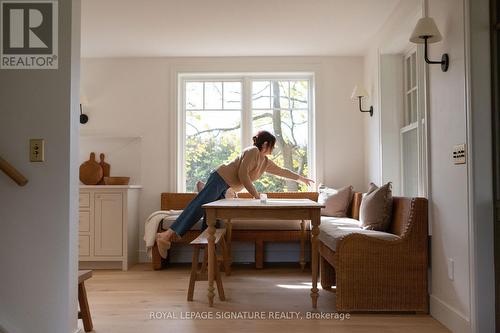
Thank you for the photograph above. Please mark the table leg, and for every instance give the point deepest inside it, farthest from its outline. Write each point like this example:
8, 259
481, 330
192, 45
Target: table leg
84, 308
210, 213
315, 221
229, 235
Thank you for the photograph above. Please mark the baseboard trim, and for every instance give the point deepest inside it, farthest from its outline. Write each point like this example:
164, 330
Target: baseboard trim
448, 316
3, 330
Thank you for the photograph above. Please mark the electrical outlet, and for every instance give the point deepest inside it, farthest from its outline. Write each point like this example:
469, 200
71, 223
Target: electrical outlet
37, 150
459, 154
451, 269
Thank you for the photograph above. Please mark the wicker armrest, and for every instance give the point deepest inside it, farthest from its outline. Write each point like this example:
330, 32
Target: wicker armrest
357, 248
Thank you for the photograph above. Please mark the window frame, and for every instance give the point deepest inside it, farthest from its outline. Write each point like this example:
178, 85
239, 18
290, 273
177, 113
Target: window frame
246, 129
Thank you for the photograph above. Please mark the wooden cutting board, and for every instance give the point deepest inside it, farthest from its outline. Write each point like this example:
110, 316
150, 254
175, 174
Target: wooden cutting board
91, 171
105, 169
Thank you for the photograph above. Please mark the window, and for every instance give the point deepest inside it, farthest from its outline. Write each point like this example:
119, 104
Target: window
220, 115
282, 107
413, 142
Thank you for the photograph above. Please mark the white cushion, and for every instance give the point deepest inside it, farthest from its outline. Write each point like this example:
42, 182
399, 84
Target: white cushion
339, 221
333, 229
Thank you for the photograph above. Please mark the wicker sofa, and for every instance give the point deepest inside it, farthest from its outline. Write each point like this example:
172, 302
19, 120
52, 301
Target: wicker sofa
374, 271
258, 232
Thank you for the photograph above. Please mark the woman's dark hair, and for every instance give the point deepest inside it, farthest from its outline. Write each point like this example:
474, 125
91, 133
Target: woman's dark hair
264, 136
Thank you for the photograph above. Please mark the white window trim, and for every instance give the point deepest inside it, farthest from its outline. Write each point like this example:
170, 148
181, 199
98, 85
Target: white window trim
246, 109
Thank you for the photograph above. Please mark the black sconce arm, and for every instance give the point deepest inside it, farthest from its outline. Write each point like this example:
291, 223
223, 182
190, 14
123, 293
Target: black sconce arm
445, 60
360, 109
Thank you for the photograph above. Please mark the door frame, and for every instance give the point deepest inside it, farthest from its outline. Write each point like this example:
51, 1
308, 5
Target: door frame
495, 114
479, 161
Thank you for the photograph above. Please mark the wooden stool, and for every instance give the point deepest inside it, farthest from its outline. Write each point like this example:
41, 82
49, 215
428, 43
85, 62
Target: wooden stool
201, 273
84, 313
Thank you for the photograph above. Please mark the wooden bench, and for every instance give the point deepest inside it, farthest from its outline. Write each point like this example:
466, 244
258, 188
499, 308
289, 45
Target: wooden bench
200, 273
84, 313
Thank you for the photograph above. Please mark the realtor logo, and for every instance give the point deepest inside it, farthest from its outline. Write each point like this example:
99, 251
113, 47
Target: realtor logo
28, 34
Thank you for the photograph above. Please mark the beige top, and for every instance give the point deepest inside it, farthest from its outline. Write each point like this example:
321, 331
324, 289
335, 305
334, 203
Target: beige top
248, 167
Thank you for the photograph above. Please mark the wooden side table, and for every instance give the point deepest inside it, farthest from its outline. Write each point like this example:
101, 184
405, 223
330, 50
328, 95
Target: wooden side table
84, 313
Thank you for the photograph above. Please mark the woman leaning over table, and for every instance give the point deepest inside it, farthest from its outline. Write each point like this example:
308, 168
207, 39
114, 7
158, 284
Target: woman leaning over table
241, 172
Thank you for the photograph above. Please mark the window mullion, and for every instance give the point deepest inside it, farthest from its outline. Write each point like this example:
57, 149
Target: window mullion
246, 113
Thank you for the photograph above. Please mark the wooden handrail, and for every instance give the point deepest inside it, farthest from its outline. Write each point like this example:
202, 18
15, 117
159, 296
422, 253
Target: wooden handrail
12, 172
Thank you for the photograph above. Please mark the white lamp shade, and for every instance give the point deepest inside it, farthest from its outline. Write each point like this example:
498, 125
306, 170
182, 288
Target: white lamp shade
359, 91
426, 27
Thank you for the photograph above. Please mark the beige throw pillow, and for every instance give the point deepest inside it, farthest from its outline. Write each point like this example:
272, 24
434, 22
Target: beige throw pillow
376, 208
336, 201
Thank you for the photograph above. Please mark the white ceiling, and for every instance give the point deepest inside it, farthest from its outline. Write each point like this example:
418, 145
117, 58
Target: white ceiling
133, 28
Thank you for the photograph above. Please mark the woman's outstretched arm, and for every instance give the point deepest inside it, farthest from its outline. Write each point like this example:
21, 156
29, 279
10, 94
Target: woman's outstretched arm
274, 169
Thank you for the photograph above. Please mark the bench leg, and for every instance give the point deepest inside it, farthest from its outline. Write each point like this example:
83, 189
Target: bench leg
204, 263
302, 245
218, 280
84, 308
157, 265
194, 273
259, 254
225, 256
327, 274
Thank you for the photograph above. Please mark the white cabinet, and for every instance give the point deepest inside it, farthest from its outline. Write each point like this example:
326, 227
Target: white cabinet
109, 226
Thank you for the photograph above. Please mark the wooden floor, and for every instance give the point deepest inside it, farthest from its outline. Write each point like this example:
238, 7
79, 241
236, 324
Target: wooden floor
122, 302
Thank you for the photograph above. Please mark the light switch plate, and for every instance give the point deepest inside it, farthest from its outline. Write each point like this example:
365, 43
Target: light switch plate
459, 154
37, 150
451, 269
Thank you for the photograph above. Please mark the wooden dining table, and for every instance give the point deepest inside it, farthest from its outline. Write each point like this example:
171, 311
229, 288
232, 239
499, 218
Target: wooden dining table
284, 209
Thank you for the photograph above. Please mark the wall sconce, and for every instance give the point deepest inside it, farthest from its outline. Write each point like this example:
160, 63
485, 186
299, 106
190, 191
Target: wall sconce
83, 117
426, 32
359, 93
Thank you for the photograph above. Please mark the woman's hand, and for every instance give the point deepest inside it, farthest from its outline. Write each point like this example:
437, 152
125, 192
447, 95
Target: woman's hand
306, 181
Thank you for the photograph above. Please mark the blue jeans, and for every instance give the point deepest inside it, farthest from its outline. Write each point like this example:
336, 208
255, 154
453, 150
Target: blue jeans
214, 189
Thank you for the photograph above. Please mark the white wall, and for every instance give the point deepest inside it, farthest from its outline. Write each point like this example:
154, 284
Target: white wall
391, 106
123, 154
449, 212
450, 299
39, 223
391, 39
135, 97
